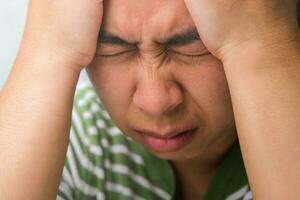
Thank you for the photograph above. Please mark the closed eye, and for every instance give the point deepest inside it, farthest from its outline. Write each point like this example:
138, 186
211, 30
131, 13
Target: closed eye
190, 54
115, 54
187, 58
114, 50
194, 48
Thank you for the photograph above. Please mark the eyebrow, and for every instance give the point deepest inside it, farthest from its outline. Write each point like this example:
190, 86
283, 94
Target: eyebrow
109, 38
181, 38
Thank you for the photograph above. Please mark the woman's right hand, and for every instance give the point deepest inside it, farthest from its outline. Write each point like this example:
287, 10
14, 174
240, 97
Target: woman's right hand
36, 102
66, 30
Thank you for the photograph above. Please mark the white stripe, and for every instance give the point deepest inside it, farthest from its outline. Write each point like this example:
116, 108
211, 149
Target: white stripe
114, 131
95, 108
96, 150
80, 184
106, 115
123, 190
83, 137
87, 115
121, 149
67, 177
128, 138
92, 130
123, 169
100, 124
238, 194
65, 189
59, 198
84, 161
104, 142
82, 85
248, 196
86, 98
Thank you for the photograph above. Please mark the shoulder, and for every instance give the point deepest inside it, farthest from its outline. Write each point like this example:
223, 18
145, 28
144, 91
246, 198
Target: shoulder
95, 131
89, 110
90, 120
101, 160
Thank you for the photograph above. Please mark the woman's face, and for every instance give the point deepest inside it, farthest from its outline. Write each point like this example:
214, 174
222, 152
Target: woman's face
158, 81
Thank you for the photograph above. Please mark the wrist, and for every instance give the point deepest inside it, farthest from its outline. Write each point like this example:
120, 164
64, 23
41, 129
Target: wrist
41, 70
55, 51
44, 59
277, 38
260, 53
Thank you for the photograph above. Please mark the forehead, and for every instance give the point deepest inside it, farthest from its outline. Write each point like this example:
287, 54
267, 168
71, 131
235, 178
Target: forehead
142, 20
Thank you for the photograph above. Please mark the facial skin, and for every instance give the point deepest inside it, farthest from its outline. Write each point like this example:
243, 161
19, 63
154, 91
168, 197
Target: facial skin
155, 85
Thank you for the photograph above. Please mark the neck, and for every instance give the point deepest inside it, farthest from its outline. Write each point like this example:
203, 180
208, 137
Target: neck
195, 175
193, 178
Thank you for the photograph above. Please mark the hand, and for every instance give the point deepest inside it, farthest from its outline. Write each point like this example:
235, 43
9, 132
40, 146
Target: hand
224, 25
64, 29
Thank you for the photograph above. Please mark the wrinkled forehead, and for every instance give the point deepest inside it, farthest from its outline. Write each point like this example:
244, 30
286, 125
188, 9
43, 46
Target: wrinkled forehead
142, 20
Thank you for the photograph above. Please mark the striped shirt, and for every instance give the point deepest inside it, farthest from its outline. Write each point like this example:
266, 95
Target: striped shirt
102, 163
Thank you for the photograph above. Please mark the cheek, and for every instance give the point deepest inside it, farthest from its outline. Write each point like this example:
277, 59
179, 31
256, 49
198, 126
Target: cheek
206, 83
219, 104
114, 84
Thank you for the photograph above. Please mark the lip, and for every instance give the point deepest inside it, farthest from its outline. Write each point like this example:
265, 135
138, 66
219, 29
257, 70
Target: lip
167, 142
164, 133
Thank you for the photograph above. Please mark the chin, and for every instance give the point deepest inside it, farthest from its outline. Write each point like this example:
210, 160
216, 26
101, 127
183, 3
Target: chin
180, 155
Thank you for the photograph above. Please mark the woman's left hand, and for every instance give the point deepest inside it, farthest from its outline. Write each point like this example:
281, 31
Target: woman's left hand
226, 25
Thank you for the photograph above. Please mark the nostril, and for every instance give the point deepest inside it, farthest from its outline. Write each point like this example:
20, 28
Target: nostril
176, 97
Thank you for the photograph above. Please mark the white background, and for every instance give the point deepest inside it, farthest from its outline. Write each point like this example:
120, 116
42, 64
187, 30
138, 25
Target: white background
12, 21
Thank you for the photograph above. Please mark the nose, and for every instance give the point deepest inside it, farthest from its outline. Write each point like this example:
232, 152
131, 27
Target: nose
157, 96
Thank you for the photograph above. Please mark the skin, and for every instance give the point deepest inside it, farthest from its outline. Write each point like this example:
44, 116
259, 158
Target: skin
162, 89
261, 57
258, 43
52, 51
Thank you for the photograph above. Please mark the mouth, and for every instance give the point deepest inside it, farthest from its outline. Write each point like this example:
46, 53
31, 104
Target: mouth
166, 143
